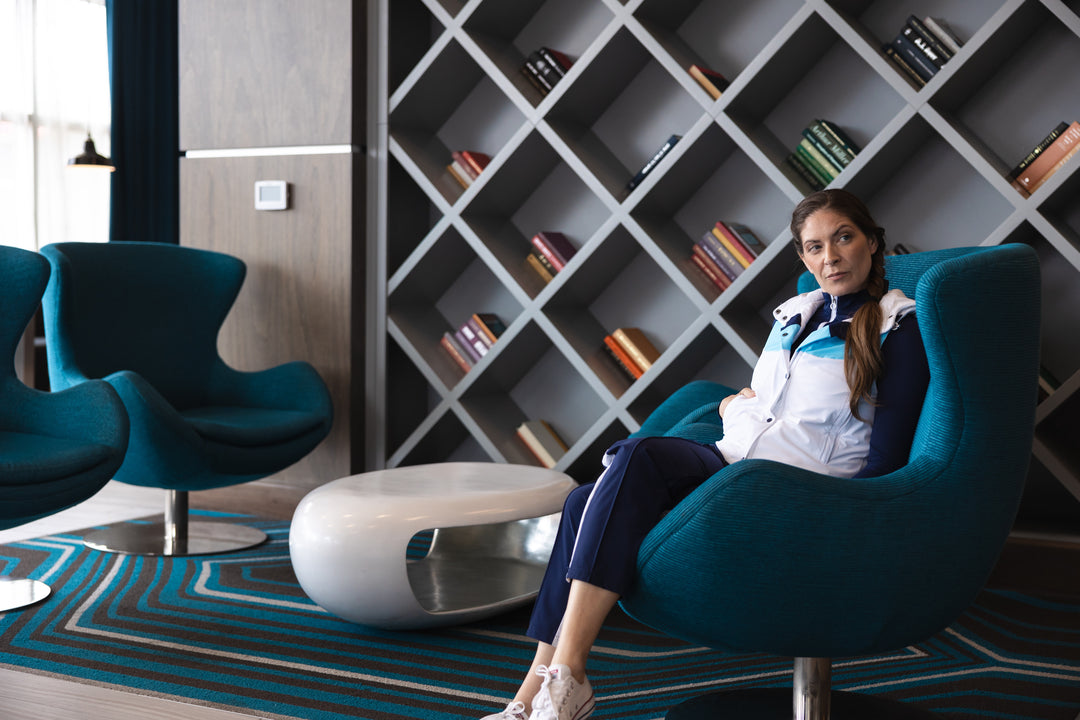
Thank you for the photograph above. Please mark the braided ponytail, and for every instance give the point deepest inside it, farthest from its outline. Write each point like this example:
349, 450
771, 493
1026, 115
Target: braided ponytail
862, 348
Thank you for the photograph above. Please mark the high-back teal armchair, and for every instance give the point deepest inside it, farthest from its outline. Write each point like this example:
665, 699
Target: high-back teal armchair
56, 449
145, 317
769, 558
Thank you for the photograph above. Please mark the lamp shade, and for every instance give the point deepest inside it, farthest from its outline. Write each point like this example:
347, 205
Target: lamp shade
90, 157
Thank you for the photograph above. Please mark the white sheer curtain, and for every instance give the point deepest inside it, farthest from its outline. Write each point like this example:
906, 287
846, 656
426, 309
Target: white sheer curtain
54, 88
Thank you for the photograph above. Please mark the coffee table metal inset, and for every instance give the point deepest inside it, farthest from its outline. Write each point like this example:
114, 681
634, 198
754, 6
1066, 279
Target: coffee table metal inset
493, 528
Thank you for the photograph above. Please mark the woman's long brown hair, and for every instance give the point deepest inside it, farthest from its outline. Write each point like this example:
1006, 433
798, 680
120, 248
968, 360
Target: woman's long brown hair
862, 349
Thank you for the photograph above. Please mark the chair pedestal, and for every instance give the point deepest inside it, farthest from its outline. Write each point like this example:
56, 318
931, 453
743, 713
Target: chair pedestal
175, 535
811, 700
17, 594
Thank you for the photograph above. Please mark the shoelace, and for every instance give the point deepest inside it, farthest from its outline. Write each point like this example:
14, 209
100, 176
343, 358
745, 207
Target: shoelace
515, 709
543, 699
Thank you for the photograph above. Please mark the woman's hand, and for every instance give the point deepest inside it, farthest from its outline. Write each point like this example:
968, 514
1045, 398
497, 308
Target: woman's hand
745, 392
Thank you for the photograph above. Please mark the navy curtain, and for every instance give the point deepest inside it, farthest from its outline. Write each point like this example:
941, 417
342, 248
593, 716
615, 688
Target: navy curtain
143, 75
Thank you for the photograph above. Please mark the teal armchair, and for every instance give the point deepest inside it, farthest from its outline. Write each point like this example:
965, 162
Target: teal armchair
56, 449
769, 558
145, 317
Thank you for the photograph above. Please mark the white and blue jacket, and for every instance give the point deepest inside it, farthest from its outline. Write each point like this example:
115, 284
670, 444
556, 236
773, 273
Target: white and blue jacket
800, 415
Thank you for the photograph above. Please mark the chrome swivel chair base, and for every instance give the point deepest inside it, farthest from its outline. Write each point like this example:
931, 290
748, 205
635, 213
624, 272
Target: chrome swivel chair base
175, 535
812, 699
19, 593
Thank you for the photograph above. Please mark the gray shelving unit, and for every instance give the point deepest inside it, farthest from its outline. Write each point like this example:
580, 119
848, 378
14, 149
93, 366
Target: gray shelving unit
933, 164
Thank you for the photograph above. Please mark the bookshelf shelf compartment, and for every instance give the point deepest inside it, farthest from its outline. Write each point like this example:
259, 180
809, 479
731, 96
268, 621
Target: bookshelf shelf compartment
620, 111
413, 31
993, 96
531, 380
535, 191
1062, 208
725, 37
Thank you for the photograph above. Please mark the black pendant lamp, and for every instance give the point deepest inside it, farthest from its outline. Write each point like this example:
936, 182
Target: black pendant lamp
90, 157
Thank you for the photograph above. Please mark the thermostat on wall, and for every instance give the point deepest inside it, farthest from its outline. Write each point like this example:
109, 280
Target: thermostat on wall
271, 195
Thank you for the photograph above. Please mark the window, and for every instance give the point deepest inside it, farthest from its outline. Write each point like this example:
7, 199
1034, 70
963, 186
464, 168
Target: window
54, 89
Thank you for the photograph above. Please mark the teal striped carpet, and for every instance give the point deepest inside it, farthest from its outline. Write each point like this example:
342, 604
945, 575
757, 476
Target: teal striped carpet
237, 631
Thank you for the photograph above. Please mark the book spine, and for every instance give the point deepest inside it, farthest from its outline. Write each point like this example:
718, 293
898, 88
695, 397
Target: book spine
914, 57
637, 346
455, 351
744, 262
706, 266
558, 62
558, 244
1048, 158
804, 155
475, 161
547, 253
741, 250
841, 137
621, 358
1037, 150
904, 66
529, 71
535, 446
533, 260
749, 239
721, 256
825, 150
929, 37
715, 89
460, 175
471, 348
803, 172
820, 161
923, 44
474, 332
461, 164
488, 325
834, 149
944, 33
1057, 166
653, 162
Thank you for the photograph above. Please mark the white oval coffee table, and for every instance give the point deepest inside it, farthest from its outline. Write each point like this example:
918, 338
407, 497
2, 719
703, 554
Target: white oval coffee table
494, 526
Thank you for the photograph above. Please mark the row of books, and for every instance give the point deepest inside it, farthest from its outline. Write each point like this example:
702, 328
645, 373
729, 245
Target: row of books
473, 339
922, 47
725, 251
542, 441
544, 68
1046, 158
551, 251
631, 350
822, 153
466, 165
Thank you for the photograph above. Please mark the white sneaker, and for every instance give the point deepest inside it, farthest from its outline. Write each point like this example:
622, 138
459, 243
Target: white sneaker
513, 711
561, 697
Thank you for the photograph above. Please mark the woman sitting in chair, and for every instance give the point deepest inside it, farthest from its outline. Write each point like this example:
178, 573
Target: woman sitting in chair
837, 390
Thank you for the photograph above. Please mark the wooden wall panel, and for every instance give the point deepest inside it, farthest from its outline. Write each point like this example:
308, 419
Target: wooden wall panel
265, 73
298, 301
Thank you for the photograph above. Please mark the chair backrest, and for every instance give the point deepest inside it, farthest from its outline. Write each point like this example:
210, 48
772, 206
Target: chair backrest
23, 275
151, 308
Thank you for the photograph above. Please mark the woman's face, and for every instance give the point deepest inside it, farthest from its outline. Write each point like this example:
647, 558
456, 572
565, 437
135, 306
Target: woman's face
837, 252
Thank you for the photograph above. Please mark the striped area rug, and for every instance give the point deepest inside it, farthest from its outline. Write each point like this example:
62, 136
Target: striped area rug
236, 631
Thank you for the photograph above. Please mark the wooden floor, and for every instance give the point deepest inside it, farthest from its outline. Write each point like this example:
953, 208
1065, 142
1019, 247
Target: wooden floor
1030, 562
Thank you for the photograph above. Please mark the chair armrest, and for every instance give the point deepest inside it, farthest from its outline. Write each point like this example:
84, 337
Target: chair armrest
91, 411
693, 402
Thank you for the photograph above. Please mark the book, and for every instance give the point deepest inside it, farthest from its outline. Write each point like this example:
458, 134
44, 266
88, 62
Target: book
550, 73
840, 153
817, 160
812, 165
1035, 151
637, 346
824, 150
472, 345
653, 162
488, 326
456, 352
541, 266
923, 43
731, 241
1047, 159
727, 263
542, 441
713, 82
473, 162
558, 244
928, 36
749, 240
459, 174
622, 358
705, 264
559, 61
535, 79
909, 71
841, 137
797, 165
913, 56
1057, 166
943, 32
547, 253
